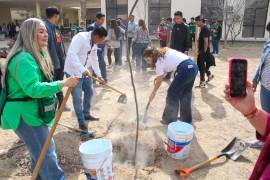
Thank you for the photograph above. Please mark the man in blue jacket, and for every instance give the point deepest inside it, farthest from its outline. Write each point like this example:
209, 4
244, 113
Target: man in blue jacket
100, 18
55, 46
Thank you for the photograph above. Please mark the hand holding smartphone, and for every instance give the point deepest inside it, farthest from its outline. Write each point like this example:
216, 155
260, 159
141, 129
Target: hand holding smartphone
237, 76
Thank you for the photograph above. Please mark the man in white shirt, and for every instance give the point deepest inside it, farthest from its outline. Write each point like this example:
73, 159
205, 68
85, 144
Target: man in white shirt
81, 61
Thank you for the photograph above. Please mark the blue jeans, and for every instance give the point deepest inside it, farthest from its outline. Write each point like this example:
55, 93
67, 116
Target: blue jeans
34, 138
215, 43
265, 99
102, 64
82, 105
180, 93
138, 53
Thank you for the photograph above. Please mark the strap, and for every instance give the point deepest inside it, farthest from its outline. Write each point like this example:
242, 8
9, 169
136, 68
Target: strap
19, 99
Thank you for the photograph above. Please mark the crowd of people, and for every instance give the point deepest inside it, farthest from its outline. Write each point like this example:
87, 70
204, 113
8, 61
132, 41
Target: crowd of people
37, 63
10, 29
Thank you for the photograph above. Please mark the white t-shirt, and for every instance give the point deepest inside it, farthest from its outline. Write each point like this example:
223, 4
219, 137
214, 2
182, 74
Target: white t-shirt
170, 62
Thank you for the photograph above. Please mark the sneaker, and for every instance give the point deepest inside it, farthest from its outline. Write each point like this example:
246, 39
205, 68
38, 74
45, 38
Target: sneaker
91, 118
201, 85
210, 77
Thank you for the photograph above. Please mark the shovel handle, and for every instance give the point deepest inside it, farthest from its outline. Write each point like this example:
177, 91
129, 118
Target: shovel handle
198, 166
50, 135
106, 85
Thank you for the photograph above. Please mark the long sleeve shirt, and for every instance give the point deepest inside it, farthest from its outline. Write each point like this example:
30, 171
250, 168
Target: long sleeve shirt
25, 79
180, 38
131, 29
261, 170
82, 55
141, 36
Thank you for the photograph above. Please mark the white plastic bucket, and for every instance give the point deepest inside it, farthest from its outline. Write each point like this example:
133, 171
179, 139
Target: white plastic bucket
97, 159
180, 135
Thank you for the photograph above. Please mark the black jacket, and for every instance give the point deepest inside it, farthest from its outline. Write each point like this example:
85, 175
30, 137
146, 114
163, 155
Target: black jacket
180, 38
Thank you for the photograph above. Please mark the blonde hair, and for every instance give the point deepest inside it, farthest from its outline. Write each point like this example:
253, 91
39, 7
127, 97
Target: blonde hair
155, 52
27, 41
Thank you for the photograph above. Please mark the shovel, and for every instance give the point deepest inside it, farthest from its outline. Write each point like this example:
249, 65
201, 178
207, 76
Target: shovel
232, 151
144, 119
122, 98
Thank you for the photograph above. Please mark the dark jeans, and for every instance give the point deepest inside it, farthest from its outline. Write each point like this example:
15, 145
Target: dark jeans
115, 51
215, 43
203, 67
102, 65
81, 104
162, 43
58, 76
192, 39
180, 93
140, 61
34, 138
265, 99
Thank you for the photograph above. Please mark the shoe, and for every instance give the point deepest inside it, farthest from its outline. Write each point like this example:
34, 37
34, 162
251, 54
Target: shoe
87, 136
83, 127
210, 77
67, 109
91, 118
164, 122
201, 85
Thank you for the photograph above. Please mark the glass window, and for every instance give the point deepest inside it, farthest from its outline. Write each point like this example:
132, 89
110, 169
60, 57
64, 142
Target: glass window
255, 18
116, 9
157, 10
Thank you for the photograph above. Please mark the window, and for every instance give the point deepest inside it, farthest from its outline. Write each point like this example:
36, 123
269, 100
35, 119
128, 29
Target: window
116, 9
212, 9
255, 18
157, 10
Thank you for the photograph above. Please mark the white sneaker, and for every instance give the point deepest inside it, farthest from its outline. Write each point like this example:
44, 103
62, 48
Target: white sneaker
201, 85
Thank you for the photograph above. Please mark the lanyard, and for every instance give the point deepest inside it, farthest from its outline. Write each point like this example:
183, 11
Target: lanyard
88, 52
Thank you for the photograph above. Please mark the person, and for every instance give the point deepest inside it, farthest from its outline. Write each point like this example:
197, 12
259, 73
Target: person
162, 33
28, 74
260, 120
113, 41
100, 18
204, 59
216, 33
131, 31
81, 59
81, 27
141, 41
121, 38
179, 94
192, 30
169, 25
55, 47
180, 36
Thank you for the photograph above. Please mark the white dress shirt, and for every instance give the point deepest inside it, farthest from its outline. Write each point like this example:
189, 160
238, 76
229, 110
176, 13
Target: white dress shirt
82, 55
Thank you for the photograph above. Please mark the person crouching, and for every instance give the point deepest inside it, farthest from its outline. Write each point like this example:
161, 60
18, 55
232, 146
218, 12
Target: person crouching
179, 94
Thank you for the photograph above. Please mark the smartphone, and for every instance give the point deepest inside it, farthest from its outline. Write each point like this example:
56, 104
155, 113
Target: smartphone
237, 76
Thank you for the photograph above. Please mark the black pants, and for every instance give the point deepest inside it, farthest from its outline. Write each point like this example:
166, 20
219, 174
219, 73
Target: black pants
59, 76
203, 66
116, 55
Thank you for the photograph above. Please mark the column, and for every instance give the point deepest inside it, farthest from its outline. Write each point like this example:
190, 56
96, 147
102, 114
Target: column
38, 14
82, 11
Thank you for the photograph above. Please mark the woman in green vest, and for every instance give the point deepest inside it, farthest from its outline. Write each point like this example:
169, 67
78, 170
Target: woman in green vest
30, 104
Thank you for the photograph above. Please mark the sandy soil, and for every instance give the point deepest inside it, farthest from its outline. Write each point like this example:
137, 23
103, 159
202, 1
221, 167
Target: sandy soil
215, 122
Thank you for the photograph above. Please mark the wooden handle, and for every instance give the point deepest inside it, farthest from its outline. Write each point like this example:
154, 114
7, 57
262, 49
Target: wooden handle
204, 163
49, 138
96, 79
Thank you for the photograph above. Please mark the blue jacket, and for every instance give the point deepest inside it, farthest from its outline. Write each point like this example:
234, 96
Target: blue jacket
92, 27
52, 45
258, 74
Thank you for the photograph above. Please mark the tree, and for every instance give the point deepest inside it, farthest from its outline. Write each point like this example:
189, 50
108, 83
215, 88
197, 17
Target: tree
233, 17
